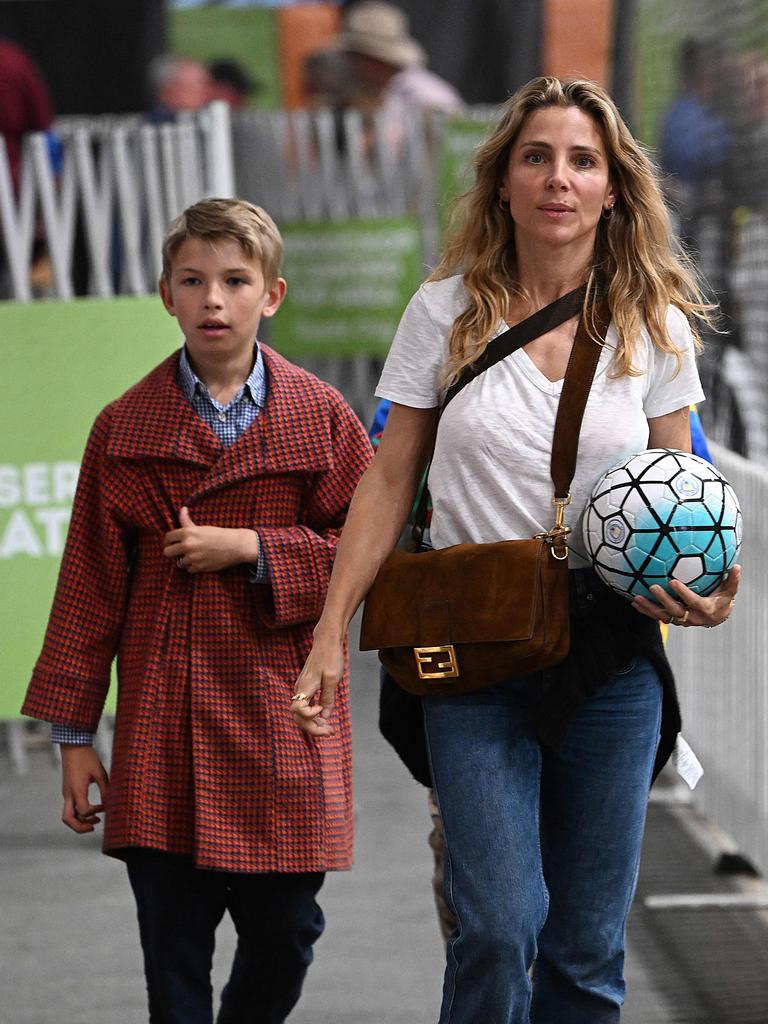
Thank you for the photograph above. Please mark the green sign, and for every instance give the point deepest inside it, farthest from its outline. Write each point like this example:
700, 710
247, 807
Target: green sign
62, 363
460, 139
348, 284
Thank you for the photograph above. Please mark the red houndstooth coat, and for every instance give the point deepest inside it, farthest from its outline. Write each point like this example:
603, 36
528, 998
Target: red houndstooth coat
207, 760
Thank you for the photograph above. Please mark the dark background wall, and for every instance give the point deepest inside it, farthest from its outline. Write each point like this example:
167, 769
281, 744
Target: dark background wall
485, 48
93, 53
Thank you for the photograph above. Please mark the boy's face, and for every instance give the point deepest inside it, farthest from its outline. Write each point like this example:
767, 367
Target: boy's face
218, 295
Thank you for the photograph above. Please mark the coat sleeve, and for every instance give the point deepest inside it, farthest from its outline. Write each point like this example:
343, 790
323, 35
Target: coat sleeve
300, 557
71, 679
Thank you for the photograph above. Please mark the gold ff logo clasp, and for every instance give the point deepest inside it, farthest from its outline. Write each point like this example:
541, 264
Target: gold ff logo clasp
436, 662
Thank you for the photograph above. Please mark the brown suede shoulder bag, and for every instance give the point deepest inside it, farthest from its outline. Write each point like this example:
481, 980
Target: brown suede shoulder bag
461, 618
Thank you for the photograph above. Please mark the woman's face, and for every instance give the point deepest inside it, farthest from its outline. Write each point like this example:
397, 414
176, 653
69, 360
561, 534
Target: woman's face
557, 181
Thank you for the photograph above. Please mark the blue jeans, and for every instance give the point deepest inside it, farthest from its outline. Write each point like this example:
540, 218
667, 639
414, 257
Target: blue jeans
179, 908
542, 848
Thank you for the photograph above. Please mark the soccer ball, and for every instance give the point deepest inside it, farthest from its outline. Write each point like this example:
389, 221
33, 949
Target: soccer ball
662, 515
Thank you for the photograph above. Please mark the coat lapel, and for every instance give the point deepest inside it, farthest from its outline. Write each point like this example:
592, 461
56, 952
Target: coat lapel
292, 434
154, 420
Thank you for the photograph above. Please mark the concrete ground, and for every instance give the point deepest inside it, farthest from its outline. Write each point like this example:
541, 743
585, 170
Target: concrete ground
69, 950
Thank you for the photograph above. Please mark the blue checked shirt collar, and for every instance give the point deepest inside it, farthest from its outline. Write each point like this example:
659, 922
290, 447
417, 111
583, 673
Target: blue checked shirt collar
256, 383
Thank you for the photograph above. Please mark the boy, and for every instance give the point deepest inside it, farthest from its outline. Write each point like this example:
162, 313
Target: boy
209, 505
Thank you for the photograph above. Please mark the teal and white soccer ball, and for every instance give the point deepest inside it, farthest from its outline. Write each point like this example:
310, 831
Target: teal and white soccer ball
662, 515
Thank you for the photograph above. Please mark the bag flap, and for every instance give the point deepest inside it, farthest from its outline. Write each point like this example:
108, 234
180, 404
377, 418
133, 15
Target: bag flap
469, 593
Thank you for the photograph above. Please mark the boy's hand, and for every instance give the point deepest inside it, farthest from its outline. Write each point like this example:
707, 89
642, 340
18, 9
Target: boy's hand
209, 548
80, 767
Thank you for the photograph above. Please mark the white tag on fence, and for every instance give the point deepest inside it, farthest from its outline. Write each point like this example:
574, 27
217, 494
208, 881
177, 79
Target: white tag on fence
687, 765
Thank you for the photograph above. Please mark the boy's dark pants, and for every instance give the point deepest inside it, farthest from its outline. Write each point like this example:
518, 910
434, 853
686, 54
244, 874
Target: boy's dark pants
179, 907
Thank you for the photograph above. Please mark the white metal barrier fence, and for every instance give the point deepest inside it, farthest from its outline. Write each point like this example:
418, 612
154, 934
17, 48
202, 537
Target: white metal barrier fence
104, 212
120, 182
312, 166
722, 676
123, 180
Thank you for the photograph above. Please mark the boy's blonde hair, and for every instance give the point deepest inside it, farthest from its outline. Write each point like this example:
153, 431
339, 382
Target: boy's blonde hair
236, 219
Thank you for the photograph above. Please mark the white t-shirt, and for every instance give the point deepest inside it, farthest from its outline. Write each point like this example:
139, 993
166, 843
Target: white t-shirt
490, 474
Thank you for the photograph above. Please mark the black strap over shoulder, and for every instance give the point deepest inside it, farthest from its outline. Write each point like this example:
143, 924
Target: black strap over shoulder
576, 384
540, 322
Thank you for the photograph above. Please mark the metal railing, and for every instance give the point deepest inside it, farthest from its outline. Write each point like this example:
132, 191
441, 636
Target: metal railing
116, 185
722, 677
103, 212
320, 165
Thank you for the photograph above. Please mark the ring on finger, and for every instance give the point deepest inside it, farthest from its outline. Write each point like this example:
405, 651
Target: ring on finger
299, 696
681, 620
180, 561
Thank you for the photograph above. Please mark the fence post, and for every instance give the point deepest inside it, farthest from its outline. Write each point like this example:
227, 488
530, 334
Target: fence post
58, 217
150, 164
17, 224
17, 747
96, 197
217, 149
622, 56
129, 212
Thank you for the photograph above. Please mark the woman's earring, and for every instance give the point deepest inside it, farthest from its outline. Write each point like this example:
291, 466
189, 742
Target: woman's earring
503, 204
607, 212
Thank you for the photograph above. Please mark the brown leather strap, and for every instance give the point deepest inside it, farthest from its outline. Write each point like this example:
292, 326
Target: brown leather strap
579, 375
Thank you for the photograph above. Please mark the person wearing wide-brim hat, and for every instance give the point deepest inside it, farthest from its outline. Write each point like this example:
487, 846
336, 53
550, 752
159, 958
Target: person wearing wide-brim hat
380, 30
388, 64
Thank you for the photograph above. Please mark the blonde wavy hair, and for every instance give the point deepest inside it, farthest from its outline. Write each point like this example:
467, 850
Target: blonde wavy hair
638, 265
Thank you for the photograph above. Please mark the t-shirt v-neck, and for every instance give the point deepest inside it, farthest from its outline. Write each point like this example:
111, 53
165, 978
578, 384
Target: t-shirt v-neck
536, 376
527, 366
540, 380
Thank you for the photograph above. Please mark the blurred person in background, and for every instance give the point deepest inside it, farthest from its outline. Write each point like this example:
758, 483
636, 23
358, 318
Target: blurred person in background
176, 85
695, 142
25, 105
375, 66
327, 80
744, 103
744, 215
695, 147
230, 82
387, 66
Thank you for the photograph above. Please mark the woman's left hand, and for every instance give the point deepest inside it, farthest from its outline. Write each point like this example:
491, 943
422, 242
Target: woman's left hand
686, 608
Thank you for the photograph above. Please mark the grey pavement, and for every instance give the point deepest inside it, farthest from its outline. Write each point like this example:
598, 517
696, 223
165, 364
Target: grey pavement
69, 950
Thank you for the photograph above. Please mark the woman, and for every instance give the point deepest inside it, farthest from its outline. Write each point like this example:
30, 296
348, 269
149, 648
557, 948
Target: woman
542, 781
